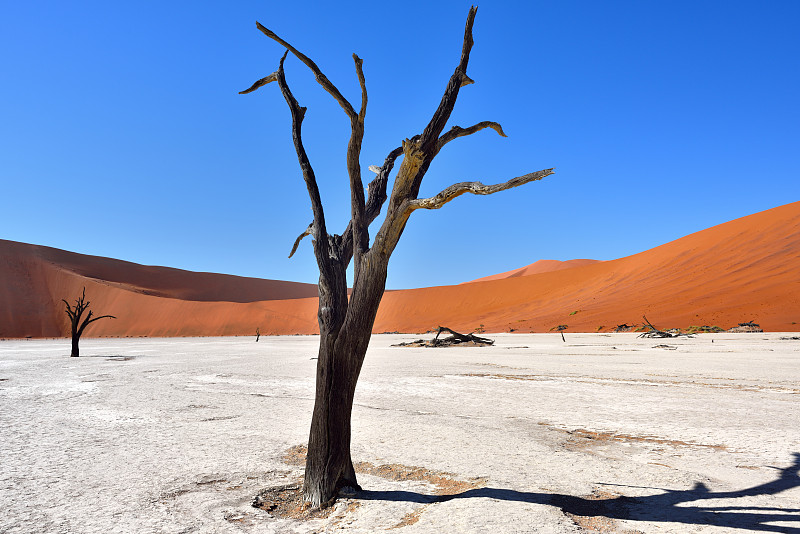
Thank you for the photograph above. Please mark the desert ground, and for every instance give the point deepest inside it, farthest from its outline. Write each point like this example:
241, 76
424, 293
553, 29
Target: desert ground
601, 433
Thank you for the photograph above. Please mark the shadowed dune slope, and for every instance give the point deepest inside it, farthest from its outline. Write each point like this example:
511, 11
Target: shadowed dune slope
156, 301
739, 271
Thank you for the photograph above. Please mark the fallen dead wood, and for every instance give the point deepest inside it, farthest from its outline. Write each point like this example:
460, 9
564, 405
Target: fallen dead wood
656, 333
455, 338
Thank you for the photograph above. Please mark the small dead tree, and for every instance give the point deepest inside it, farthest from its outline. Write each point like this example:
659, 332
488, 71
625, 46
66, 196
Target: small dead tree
77, 326
346, 324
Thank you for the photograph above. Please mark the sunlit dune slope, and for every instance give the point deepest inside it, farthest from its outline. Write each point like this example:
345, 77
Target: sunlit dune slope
742, 270
541, 266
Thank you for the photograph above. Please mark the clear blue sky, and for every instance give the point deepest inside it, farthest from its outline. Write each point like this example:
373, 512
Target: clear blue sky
123, 135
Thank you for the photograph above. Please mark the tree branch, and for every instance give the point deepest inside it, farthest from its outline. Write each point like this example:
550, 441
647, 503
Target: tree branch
300, 238
101, 317
457, 131
363, 83
89, 320
459, 78
260, 83
358, 223
476, 188
421, 150
375, 200
70, 313
320, 77
377, 187
320, 231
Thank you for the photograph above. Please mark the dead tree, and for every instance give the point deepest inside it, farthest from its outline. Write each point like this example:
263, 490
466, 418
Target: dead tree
655, 332
346, 324
77, 326
455, 338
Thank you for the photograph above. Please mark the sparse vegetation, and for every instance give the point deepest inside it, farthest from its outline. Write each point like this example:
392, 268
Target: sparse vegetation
749, 326
704, 329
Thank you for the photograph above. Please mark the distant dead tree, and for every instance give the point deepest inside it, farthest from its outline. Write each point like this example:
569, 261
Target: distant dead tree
78, 326
258, 334
346, 324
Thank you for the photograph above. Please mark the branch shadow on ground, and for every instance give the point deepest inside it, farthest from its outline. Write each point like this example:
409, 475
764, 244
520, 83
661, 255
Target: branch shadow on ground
662, 507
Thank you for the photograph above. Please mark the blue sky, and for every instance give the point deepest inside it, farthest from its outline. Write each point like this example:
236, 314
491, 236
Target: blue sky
123, 134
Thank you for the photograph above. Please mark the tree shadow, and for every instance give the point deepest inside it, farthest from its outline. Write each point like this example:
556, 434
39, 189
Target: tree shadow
662, 507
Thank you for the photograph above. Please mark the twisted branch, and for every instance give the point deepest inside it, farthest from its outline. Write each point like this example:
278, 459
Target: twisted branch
358, 223
459, 78
319, 229
476, 188
320, 77
308, 231
457, 131
260, 83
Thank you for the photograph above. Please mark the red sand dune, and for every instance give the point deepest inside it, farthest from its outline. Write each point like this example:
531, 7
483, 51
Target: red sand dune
149, 301
742, 270
541, 266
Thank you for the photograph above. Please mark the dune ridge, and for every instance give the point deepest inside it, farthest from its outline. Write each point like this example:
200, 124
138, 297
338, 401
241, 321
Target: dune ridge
741, 270
538, 267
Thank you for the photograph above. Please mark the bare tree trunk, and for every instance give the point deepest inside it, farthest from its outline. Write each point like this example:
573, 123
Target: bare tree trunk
75, 350
329, 466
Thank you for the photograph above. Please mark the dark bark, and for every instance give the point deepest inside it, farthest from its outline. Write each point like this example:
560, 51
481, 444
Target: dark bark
346, 324
76, 325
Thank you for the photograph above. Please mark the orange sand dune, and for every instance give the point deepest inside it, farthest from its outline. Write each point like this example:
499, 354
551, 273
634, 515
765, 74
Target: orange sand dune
541, 266
742, 270
148, 301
